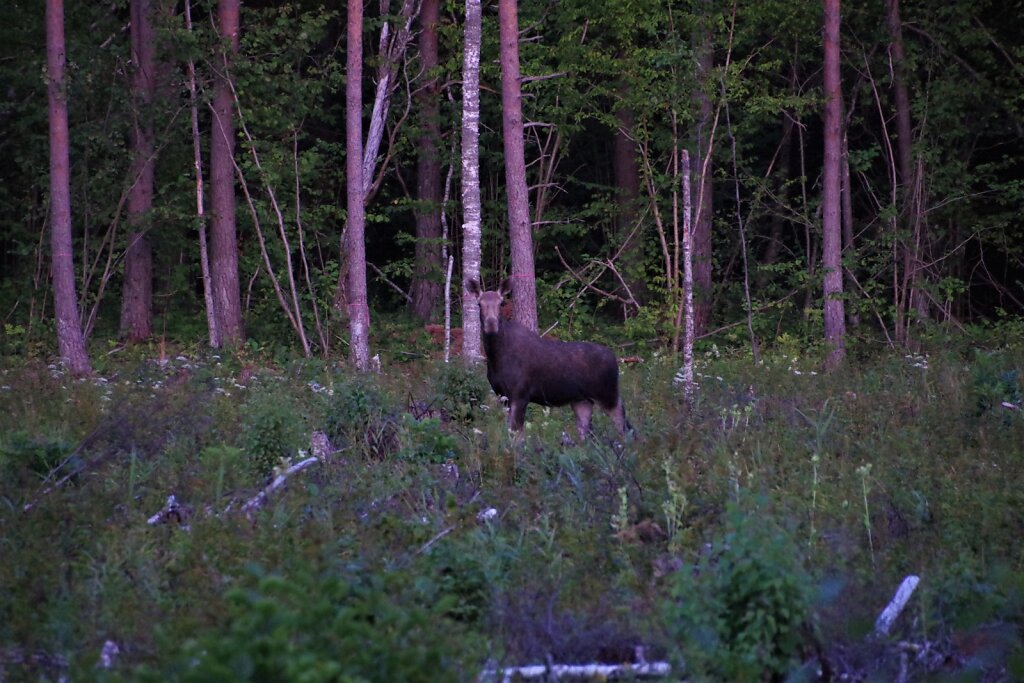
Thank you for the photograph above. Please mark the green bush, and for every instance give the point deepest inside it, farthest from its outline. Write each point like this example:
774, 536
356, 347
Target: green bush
742, 612
426, 441
314, 627
24, 457
460, 391
273, 428
360, 418
992, 384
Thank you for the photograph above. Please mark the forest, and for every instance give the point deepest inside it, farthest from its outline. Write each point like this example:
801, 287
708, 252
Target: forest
245, 429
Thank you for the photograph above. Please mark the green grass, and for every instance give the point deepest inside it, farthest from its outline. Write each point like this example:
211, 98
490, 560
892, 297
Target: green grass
807, 496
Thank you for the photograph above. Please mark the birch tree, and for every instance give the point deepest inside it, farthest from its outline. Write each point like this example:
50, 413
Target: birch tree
472, 348
355, 246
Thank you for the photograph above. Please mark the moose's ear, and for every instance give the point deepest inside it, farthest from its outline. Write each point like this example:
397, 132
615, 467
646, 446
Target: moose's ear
473, 286
506, 287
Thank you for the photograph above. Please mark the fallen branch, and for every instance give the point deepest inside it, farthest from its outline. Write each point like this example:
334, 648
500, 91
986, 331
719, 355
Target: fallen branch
578, 671
172, 508
895, 607
257, 501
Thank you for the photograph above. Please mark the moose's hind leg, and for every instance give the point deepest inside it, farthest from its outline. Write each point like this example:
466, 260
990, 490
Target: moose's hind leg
618, 415
583, 410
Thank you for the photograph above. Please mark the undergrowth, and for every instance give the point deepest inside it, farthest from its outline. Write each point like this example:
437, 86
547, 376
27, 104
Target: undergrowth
754, 535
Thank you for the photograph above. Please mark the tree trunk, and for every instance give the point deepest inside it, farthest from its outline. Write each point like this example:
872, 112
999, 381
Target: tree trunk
223, 233
905, 164
65, 300
137, 294
702, 178
849, 249
834, 317
426, 285
627, 197
686, 373
472, 348
197, 162
524, 285
391, 54
355, 247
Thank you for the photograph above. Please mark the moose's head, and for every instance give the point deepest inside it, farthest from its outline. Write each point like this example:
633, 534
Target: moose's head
490, 303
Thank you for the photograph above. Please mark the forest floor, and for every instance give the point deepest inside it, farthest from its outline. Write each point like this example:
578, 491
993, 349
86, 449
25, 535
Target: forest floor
330, 526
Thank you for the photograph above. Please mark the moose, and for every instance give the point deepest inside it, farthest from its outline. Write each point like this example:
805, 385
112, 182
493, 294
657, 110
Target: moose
526, 368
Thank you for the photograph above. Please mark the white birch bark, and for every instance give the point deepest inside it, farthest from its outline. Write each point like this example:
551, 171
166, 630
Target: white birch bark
688, 331
472, 348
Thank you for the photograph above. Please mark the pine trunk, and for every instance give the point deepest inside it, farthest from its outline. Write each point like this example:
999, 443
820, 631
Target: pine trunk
137, 294
524, 285
223, 233
627, 198
65, 300
834, 317
426, 284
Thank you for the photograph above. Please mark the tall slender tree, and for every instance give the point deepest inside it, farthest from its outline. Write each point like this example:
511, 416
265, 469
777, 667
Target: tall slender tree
626, 174
65, 301
832, 243
702, 134
223, 231
472, 346
524, 284
911, 258
426, 286
137, 294
355, 246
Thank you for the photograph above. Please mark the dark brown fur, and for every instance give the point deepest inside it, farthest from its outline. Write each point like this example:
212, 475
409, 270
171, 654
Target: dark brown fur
527, 368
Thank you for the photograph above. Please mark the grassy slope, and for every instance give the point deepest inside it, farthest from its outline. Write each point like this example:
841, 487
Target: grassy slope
831, 487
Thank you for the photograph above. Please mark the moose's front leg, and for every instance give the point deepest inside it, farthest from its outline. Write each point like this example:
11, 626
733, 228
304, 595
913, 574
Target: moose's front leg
516, 414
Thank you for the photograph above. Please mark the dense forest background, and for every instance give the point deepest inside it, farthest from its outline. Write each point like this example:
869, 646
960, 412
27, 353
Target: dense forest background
611, 93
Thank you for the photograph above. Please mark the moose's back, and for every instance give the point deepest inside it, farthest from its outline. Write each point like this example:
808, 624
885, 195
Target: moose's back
550, 372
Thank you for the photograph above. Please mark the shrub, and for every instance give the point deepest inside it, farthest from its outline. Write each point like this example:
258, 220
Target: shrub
992, 384
360, 417
742, 611
460, 391
426, 441
322, 627
23, 456
273, 428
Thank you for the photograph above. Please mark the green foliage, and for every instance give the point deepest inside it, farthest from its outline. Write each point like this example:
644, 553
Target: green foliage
459, 391
359, 417
426, 441
273, 428
327, 626
992, 384
742, 612
24, 457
